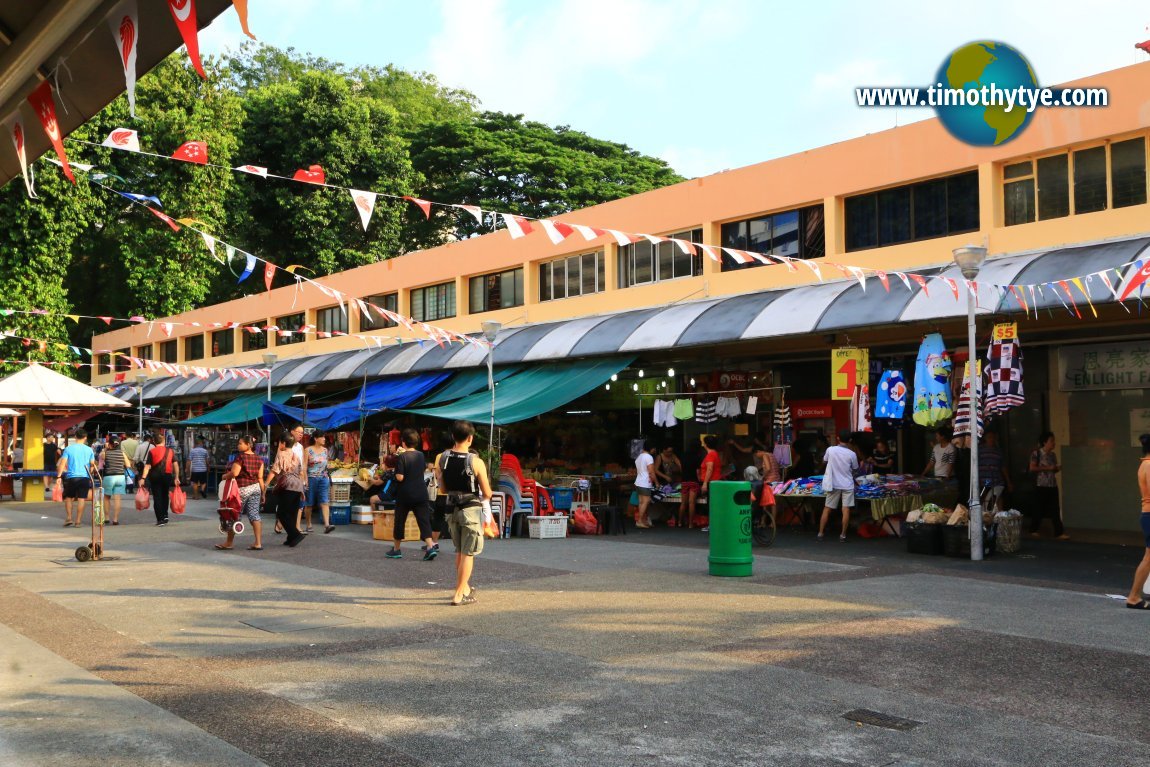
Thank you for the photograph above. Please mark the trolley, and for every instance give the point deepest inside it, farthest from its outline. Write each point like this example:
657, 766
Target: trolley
94, 550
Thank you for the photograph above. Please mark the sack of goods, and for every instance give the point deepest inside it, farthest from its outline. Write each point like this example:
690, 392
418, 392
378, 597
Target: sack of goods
960, 516
1009, 525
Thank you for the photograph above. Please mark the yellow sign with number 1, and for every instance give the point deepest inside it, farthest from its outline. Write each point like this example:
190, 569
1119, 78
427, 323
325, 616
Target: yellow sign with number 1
850, 367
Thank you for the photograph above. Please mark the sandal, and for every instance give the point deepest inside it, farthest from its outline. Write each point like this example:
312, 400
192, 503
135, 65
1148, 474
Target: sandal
328, 529
222, 547
67, 524
255, 548
308, 530
467, 600
1143, 605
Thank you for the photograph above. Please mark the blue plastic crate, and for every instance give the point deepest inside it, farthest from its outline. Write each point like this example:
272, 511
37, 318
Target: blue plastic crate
340, 515
562, 497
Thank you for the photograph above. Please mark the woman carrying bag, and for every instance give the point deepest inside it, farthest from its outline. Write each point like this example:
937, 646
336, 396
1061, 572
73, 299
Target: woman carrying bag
163, 468
287, 483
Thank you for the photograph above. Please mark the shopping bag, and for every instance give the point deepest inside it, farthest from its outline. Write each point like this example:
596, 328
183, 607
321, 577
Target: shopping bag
179, 500
585, 522
57, 492
143, 499
490, 528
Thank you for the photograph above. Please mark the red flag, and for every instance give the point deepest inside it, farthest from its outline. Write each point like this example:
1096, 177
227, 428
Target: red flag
1144, 45
1070, 295
242, 12
313, 175
124, 24
269, 274
184, 14
1137, 281
920, 281
192, 151
120, 377
423, 205
164, 217
517, 226
952, 285
107, 320
883, 279
45, 108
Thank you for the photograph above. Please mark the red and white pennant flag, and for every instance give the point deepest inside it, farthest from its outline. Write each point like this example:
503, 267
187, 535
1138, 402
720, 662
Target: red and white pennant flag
364, 205
184, 14
124, 22
16, 130
123, 138
517, 226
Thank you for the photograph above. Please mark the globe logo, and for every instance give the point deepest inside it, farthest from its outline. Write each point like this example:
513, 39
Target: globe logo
975, 66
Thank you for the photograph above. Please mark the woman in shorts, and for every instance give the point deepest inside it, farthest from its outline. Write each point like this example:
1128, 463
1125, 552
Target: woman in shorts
248, 470
318, 483
112, 469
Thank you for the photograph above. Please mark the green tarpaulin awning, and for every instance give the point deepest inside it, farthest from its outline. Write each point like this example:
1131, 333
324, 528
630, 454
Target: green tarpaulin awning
530, 393
466, 383
247, 407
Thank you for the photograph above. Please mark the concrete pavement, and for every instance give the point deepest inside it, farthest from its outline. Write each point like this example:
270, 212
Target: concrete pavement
584, 651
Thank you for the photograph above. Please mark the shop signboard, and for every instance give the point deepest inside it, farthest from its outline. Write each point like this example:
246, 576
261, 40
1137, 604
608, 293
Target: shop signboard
1095, 367
734, 379
812, 409
849, 368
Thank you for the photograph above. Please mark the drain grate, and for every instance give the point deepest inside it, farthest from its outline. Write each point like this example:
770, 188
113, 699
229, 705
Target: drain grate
879, 719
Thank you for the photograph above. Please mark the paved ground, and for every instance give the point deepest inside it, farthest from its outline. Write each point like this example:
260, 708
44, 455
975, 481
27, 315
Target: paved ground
585, 651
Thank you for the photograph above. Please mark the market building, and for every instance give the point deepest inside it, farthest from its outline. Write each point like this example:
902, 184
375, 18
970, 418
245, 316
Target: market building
1066, 199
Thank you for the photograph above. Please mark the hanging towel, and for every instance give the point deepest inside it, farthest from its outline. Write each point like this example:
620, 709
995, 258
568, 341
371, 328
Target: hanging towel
860, 405
752, 405
1004, 373
784, 433
932, 403
684, 409
890, 402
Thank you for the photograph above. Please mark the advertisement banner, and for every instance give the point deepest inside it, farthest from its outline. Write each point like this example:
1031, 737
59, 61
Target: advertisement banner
849, 368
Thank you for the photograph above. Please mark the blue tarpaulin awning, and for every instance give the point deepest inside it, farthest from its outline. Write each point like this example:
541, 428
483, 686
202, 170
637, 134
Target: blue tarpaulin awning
246, 407
374, 397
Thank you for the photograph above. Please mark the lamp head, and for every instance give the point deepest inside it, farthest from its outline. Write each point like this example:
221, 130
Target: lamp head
491, 329
270, 358
969, 259
141, 378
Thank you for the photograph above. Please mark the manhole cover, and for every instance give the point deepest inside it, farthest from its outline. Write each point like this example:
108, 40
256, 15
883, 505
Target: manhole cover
878, 719
304, 621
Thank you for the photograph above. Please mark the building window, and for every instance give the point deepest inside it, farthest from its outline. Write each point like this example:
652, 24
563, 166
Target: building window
374, 320
1128, 172
1018, 192
122, 363
435, 302
169, 352
104, 363
223, 342
793, 233
331, 320
641, 263
500, 290
1090, 180
144, 352
291, 323
922, 211
571, 276
254, 338
193, 348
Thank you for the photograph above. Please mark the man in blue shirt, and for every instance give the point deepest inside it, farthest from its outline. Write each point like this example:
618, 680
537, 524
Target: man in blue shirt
76, 468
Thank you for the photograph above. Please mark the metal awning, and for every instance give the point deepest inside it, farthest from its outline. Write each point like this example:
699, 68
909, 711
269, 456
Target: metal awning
37, 36
818, 308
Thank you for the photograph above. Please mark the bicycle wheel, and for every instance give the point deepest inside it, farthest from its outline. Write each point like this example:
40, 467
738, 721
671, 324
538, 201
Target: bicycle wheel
763, 527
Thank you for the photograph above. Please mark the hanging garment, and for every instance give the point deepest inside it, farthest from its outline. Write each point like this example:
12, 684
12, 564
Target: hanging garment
860, 405
664, 413
890, 402
684, 409
705, 411
783, 431
728, 407
962, 415
1004, 376
752, 405
932, 403
782, 454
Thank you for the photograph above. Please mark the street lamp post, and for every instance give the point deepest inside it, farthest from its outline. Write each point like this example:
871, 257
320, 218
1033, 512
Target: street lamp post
969, 260
140, 379
491, 330
270, 361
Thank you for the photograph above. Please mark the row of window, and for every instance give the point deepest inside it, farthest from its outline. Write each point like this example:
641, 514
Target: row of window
794, 233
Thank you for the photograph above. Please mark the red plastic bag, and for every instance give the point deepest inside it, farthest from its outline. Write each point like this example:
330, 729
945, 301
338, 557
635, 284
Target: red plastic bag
143, 499
179, 500
585, 522
57, 492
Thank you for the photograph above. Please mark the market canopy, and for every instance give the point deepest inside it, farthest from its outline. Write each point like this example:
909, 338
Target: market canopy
39, 387
533, 392
466, 383
243, 409
374, 397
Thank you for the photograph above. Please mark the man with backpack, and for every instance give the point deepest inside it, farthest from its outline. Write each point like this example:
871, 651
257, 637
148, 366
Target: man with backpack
161, 465
468, 489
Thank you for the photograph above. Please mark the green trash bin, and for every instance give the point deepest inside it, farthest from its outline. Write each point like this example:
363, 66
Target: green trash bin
730, 508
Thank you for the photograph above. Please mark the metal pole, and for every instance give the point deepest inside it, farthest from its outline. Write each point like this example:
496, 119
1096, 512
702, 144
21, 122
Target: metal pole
491, 385
141, 420
268, 427
975, 504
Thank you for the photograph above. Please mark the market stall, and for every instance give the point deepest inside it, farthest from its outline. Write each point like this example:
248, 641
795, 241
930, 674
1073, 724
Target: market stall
882, 495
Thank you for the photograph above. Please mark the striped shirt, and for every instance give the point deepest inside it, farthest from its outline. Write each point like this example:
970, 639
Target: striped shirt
705, 411
198, 458
113, 463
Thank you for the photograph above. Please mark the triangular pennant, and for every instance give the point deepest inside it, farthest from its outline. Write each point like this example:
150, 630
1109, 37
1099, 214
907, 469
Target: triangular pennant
44, 106
184, 14
124, 23
622, 238
249, 267
255, 170
1137, 277
883, 279
474, 210
517, 226
313, 174
210, 242
815, 270
589, 233
712, 252
950, 283
269, 274
423, 205
242, 11
123, 138
1069, 295
19, 138
364, 205
739, 256
859, 275
921, 282
163, 217
1077, 281
686, 246
192, 151
557, 231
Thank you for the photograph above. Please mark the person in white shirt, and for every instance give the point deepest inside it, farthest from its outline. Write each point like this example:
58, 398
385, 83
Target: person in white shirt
644, 482
839, 482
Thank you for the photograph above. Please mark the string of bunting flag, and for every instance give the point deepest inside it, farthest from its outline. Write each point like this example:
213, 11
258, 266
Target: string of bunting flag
1027, 295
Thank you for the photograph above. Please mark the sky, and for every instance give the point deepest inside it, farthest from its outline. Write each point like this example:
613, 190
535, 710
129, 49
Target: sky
706, 85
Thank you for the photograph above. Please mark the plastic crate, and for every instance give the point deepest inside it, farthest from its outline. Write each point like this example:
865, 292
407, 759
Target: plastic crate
561, 497
383, 526
547, 527
341, 491
924, 539
340, 515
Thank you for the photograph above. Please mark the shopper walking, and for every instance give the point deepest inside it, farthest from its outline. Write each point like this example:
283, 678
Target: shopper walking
645, 481
318, 484
1044, 465
468, 489
198, 469
1134, 599
162, 473
74, 470
839, 483
248, 471
287, 480
411, 497
51, 456
112, 469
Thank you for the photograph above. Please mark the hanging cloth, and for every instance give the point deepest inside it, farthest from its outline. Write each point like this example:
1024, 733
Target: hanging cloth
890, 402
784, 433
860, 405
705, 411
1004, 375
932, 403
962, 415
684, 409
752, 405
